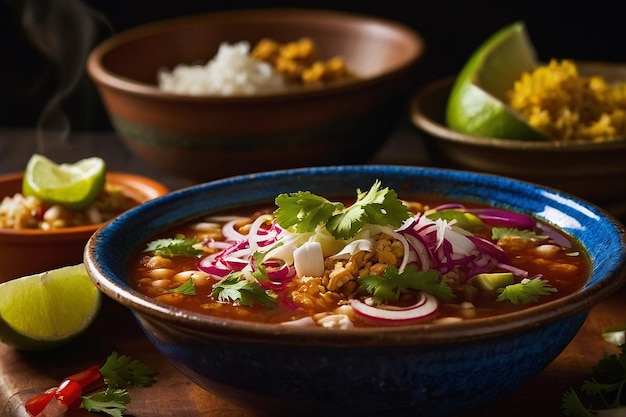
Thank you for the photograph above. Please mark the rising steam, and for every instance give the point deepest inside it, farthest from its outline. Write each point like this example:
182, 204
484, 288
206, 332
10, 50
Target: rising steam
64, 32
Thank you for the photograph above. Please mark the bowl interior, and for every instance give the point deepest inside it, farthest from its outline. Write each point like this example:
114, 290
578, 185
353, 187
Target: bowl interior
371, 46
107, 252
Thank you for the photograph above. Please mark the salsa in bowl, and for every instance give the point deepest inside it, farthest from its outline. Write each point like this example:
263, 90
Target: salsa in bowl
424, 365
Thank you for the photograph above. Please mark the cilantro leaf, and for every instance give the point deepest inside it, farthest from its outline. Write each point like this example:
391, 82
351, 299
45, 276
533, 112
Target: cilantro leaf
376, 206
122, 371
188, 288
178, 246
605, 389
260, 271
234, 288
390, 286
572, 406
304, 210
112, 401
526, 291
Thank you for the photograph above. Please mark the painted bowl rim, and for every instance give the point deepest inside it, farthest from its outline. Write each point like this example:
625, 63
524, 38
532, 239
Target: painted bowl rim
421, 100
112, 80
477, 329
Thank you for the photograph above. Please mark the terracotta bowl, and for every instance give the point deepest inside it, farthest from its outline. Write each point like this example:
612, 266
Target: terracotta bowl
204, 138
420, 369
26, 252
593, 171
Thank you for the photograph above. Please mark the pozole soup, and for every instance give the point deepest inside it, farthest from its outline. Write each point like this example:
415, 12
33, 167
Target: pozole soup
380, 260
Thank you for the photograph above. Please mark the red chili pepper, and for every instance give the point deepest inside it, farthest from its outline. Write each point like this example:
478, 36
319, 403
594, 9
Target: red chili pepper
87, 376
68, 392
36, 404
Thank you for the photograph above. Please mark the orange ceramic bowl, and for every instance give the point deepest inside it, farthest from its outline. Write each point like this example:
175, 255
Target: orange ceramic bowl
26, 252
209, 137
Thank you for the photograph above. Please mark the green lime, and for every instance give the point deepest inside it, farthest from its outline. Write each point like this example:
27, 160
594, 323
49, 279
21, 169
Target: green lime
476, 105
74, 186
47, 310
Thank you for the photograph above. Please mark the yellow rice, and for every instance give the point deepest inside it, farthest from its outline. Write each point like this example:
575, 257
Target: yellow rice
566, 106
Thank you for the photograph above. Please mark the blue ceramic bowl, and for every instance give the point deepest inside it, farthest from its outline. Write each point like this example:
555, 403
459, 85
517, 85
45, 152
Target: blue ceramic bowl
426, 370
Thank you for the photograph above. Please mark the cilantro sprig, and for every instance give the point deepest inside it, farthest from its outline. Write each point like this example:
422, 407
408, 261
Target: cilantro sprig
119, 372
187, 288
235, 288
177, 246
390, 286
305, 211
122, 371
526, 291
606, 389
111, 401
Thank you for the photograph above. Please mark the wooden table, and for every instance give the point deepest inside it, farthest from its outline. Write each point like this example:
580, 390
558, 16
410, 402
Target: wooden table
23, 374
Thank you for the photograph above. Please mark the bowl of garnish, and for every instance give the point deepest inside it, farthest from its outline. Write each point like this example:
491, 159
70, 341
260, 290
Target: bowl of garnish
49, 211
360, 290
213, 95
560, 123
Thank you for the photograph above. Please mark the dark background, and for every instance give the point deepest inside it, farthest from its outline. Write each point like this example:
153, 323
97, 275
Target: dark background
451, 30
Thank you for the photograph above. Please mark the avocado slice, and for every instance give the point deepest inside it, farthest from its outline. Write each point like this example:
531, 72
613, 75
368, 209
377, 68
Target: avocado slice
491, 281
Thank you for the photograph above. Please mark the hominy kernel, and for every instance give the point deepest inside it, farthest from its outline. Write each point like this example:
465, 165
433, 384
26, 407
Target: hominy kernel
198, 277
170, 298
145, 281
564, 268
162, 283
54, 213
547, 251
159, 273
206, 227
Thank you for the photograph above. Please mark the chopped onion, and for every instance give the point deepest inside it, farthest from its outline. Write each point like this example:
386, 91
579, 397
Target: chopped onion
353, 247
308, 260
425, 307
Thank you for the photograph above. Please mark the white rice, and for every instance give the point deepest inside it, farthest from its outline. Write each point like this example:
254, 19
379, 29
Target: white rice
231, 72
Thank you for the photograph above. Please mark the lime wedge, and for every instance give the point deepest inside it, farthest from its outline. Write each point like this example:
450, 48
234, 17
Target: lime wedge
476, 105
47, 310
74, 186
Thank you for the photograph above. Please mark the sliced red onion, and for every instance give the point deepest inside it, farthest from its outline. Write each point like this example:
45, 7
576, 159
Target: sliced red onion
230, 233
504, 218
513, 269
489, 248
425, 307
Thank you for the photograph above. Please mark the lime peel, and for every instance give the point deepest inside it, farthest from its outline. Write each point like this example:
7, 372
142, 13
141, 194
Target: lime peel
47, 310
476, 105
75, 186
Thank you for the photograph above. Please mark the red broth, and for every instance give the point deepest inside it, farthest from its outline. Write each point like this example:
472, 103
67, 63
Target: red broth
550, 255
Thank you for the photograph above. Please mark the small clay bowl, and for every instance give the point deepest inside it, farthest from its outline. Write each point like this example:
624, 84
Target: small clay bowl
594, 171
29, 251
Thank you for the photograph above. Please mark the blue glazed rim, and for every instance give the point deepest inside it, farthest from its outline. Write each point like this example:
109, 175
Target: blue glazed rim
604, 237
